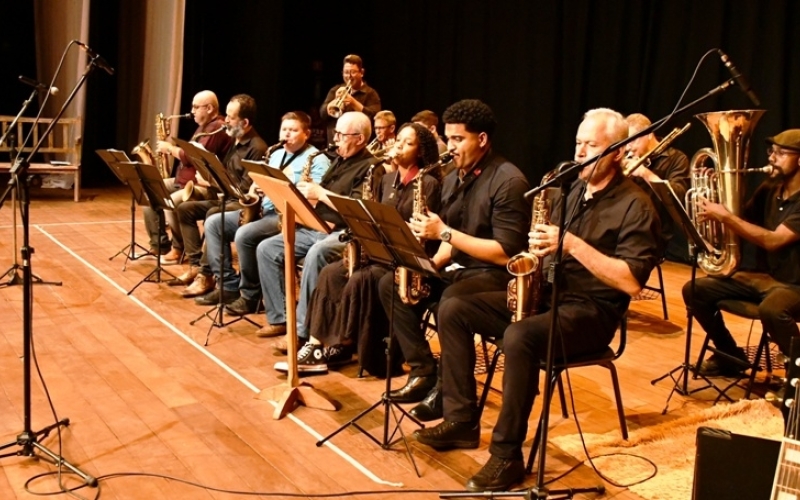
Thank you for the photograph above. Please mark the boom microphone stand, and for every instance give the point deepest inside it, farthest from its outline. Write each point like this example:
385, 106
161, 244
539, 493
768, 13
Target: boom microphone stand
28, 441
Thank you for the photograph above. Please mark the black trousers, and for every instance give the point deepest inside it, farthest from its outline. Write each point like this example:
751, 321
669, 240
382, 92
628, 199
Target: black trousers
189, 214
407, 319
778, 306
583, 327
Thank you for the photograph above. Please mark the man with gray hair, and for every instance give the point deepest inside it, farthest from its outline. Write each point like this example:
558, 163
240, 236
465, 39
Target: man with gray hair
345, 177
610, 247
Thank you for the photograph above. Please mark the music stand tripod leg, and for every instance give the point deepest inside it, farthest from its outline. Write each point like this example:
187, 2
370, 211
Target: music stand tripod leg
129, 250
155, 275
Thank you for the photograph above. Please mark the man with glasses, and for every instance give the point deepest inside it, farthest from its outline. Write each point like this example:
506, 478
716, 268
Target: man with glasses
345, 177
205, 110
772, 222
362, 97
385, 124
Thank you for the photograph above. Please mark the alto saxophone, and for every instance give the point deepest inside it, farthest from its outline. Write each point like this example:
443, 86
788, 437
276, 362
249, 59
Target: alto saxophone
251, 203
524, 293
190, 191
354, 257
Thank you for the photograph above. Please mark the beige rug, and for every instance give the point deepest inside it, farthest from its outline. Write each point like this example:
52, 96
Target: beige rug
671, 446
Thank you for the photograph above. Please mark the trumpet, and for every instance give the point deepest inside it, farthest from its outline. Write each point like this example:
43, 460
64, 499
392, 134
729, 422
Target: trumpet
336, 107
634, 163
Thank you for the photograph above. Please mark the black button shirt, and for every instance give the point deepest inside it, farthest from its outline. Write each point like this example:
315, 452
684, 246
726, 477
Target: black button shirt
346, 178
672, 166
250, 147
768, 210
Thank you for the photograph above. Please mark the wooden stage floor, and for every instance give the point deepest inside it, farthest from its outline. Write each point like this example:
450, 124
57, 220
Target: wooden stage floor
144, 395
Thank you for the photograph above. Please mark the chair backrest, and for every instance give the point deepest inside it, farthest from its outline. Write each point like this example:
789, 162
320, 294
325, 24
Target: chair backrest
64, 141
623, 335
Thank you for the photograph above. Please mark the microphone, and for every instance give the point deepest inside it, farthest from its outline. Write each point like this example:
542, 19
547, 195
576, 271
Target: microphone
740, 80
38, 85
96, 58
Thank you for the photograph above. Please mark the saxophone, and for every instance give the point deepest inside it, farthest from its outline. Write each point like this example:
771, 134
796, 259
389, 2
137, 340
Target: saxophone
190, 191
354, 257
524, 293
251, 203
163, 163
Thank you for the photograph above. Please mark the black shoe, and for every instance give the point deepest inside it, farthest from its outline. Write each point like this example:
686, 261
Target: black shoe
498, 474
242, 306
449, 435
431, 408
717, 366
212, 297
415, 390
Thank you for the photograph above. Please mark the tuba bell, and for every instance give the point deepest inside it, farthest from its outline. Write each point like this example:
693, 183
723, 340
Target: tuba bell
730, 135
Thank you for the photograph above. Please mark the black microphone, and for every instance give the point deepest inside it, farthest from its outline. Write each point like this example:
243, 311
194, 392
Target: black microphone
96, 58
740, 80
37, 84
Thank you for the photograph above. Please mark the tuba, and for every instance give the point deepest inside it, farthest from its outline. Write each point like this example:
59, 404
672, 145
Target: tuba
337, 105
730, 134
524, 292
410, 285
251, 203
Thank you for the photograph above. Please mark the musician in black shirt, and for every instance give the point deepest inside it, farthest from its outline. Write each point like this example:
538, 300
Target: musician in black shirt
362, 97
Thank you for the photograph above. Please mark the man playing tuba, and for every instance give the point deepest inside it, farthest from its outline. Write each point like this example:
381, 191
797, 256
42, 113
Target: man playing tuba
772, 222
210, 124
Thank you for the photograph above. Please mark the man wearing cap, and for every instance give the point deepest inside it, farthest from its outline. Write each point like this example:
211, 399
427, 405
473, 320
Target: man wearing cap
771, 221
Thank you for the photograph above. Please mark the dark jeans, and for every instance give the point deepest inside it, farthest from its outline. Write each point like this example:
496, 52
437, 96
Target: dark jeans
778, 306
406, 318
189, 214
586, 328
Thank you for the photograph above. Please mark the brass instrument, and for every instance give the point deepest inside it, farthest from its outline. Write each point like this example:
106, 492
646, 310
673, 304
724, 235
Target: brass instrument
305, 174
191, 191
524, 292
204, 134
730, 134
354, 256
143, 151
251, 203
162, 163
635, 163
336, 107
379, 150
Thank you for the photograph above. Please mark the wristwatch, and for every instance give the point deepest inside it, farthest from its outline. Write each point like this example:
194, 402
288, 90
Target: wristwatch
446, 234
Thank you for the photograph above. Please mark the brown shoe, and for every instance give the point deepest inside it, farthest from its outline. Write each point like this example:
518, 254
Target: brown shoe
282, 345
186, 278
272, 330
201, 285
173, 257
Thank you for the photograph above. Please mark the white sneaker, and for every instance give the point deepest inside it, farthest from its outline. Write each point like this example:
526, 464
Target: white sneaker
310, 359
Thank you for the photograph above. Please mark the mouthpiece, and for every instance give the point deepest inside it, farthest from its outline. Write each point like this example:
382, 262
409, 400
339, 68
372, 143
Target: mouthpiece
767, 169
186, 115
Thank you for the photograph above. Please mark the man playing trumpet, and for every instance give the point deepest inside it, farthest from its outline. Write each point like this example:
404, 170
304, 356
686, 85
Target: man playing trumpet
352, 95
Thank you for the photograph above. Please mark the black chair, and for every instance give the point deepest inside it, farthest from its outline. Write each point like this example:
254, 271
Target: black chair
605, 359
645, 294
747, 310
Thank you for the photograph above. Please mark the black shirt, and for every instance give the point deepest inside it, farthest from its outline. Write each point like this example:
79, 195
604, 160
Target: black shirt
250, 147
768, 210
401, 196
346, 178
672, 166
489, 203
619, 221
366, 95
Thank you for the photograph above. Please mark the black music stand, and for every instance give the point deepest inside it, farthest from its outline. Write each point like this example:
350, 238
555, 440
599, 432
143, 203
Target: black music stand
159, 199
117, 161
696, 242
293, 205
387, 239
214, 171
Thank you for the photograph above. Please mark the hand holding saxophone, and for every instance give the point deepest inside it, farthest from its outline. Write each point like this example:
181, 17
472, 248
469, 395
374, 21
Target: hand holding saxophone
164, 147
428, 226
311, 190
543, 240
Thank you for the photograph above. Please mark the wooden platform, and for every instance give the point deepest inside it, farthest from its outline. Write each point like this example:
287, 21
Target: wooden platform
143, 395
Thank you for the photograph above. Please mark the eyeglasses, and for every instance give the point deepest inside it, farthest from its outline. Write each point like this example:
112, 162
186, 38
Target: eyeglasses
384, 127
780, 153
338, 135
198, 106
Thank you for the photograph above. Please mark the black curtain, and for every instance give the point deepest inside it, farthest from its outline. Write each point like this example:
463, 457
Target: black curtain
540, 65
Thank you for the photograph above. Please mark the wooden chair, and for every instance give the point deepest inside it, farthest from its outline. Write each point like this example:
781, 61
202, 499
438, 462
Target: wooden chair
60, 153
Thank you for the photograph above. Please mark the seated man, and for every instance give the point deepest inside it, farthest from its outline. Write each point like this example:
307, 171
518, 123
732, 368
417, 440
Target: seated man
772, 222
209, 133
292, 158
428, 119
384, 125
610, 247
248, 145
346, 178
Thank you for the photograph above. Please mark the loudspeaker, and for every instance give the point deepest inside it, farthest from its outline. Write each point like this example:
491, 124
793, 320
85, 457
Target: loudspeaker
732, 466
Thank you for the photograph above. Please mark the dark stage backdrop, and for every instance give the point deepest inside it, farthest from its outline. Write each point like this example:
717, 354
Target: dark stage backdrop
539, 65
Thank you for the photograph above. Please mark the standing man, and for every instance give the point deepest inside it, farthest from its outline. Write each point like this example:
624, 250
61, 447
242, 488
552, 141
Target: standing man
609, 247
361, 98
484, 221
209, 133
771, 222
248, 145
345, 178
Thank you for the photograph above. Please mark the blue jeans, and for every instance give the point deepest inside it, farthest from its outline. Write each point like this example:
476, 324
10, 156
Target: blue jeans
247, 239
318, 249
213, 231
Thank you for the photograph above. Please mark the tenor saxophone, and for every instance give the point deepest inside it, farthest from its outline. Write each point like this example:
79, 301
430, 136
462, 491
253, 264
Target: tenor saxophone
251, 203
524, 292
354, 256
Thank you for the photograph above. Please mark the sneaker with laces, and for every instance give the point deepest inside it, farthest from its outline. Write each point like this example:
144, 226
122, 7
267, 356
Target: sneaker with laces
338, 355
310, 359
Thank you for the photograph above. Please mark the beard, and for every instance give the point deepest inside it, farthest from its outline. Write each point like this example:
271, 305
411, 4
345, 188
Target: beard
234, 131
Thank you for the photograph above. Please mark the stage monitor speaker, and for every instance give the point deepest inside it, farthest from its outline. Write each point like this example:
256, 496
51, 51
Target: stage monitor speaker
733, 466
